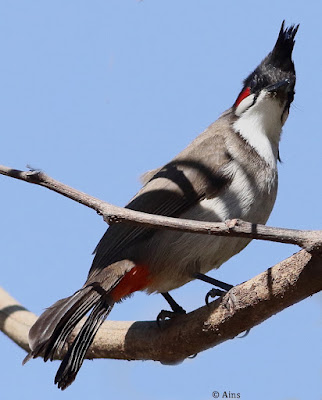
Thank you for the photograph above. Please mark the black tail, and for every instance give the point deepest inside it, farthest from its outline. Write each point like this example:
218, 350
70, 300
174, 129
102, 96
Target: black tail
75, 356
50, 332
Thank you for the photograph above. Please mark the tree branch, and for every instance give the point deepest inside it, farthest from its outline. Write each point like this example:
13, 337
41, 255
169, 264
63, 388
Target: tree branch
310, 240
254, 301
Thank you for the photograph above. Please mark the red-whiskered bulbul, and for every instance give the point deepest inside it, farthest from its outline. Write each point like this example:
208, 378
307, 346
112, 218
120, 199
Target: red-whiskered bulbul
229, 171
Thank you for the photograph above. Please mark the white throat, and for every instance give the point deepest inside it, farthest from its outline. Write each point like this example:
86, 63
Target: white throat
261, 126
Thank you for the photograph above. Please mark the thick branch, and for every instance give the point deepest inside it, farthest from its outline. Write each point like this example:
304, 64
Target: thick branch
286, 283
310, 240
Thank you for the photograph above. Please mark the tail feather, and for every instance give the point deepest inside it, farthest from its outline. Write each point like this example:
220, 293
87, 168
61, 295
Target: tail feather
74, 358
67, 324
50, 331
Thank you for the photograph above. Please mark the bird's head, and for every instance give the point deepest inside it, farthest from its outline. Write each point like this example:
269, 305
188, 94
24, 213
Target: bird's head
262, 106
273, 80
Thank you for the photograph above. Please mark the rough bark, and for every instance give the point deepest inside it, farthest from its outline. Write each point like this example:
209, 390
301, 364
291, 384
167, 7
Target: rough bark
242, 308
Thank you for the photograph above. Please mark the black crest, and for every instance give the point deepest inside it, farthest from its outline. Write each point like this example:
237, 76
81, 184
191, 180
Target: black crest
281, 56
278, 64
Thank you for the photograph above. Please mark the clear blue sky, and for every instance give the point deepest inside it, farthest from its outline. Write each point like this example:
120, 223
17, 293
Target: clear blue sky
96, 93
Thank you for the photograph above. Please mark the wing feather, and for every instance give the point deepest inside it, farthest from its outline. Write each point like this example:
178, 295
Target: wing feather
196, 173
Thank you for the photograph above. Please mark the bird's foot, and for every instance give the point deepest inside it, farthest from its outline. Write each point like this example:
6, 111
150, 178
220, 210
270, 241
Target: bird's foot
176, 309
214, 293
229, 304
165, 315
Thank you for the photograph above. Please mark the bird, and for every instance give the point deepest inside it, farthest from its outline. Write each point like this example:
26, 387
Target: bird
229, 171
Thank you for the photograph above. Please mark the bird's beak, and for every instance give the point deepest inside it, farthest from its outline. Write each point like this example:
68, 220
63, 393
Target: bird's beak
276, 86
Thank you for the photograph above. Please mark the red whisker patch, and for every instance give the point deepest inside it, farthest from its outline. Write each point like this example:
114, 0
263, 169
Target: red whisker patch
245, 93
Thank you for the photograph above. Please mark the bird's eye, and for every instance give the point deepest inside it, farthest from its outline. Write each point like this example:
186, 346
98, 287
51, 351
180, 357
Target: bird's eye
244, 101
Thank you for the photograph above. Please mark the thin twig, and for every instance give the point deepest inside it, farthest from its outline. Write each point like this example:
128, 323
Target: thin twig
310, 240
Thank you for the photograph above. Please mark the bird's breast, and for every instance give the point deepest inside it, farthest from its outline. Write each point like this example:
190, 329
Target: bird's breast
174, 257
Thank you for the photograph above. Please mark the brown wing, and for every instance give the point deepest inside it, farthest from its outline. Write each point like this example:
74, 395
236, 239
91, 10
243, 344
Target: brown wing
196, 173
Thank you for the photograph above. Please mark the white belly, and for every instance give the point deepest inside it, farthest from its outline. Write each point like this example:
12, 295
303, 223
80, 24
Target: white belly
175, 257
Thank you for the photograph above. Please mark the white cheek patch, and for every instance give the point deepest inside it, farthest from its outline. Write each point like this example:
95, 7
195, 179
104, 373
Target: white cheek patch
244, 104
261, 126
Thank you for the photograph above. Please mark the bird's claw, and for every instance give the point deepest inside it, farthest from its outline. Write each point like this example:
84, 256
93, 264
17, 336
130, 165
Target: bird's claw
166, 315
229, 305
214, 293
244, 334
